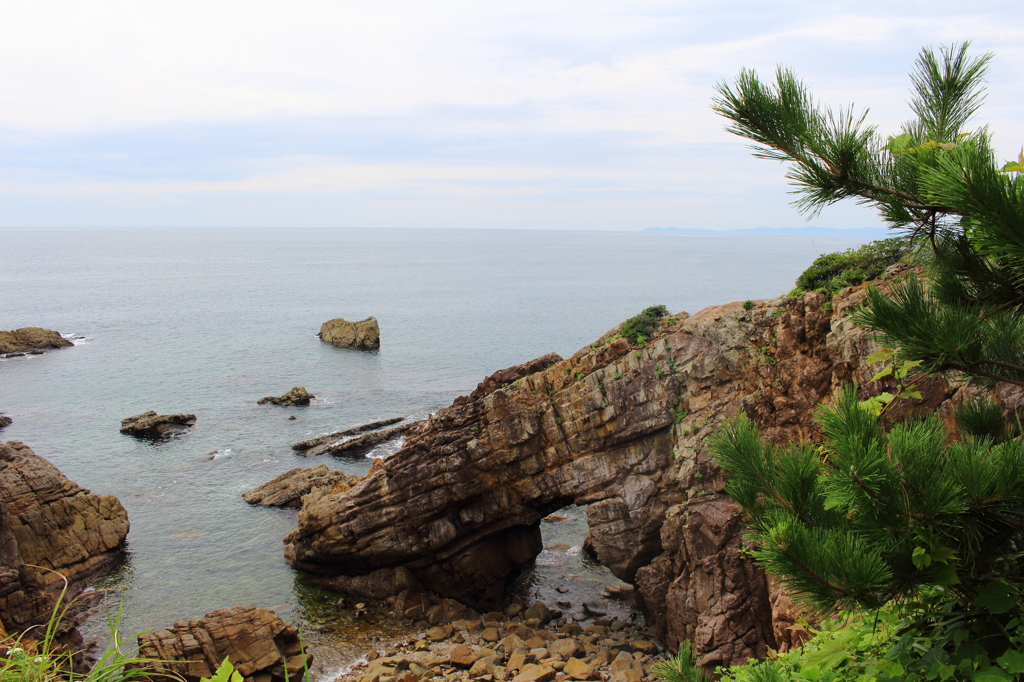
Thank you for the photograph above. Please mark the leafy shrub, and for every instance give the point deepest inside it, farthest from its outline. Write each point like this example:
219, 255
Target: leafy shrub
640, 329
834, 271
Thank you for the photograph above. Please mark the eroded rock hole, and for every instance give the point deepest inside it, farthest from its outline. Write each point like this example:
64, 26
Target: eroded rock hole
569, 578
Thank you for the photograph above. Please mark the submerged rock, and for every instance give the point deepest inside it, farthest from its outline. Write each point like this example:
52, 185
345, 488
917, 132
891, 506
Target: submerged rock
297, 396
357, 445
258, 642
364, 335
49, 522
287, 489
330, 437
153, 425
30, 339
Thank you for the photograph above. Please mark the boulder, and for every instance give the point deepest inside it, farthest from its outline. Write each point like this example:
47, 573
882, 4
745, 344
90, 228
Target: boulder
298, 396
31, 338
153, 425
5, 421
364, 335
287, 489
49, 527
256, 640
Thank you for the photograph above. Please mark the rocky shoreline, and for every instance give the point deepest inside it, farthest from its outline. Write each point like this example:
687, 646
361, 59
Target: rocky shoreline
498, 648
30, 341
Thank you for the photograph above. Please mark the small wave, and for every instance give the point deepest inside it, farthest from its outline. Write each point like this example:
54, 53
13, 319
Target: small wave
219, 454
386, 449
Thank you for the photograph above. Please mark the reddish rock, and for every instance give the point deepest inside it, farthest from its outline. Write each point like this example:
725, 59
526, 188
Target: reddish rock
288, 489
49, 522
621, 430
256, 640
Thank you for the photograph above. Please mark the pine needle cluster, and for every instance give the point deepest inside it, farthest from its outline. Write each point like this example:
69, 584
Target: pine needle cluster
934, 181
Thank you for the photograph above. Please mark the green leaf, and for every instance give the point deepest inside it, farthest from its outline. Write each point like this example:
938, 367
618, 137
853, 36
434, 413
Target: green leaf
947, 575
996, 597
944, 554
884, 373
912, 394
1012, 661
225, 673
920, 558
880, 356
992, 675
885, 397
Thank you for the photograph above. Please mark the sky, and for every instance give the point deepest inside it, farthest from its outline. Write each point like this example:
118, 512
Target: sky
590, 115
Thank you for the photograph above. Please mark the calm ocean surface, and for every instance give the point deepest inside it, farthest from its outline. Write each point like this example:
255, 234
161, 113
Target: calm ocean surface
209, 321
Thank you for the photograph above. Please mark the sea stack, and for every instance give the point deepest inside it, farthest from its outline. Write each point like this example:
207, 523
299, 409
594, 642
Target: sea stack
364, 335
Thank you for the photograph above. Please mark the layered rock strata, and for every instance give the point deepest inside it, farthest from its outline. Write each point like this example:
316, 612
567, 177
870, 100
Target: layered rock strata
288, 489
31, 338
259, 644
347, 433
362, 335
622, 430
49, 527
153, 425
355, 446
298, 396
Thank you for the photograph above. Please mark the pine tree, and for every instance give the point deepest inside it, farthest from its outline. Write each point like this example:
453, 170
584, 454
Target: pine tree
934, 181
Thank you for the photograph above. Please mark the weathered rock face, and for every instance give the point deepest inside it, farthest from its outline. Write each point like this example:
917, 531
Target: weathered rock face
47, 521
364, 335
298, 396
153, 425
288, 489
257, 641
620, 429
31, 338
347, 433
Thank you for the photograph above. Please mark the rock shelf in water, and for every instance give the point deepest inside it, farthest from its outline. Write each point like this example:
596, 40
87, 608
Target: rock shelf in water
29, 339
153, 425
298, 396
288, 489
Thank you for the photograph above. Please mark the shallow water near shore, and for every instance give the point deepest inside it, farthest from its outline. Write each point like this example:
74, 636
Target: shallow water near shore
209, 321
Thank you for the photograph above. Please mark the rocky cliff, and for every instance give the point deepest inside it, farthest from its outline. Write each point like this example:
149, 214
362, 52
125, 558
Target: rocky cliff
620, 429
49, 527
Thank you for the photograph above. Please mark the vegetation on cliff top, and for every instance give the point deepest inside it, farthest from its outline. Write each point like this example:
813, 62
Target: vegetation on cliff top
640, 329
833, 272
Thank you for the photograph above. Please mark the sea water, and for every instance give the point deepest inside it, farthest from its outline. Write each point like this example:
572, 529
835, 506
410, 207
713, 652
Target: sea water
208, 321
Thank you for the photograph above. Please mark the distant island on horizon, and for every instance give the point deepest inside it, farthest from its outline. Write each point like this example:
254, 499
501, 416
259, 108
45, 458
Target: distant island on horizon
853, 233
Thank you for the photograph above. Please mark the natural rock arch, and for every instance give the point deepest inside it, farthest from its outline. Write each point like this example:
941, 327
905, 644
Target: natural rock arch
616, 428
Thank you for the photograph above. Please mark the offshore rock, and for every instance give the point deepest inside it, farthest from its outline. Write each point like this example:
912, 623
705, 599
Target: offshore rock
364, 335
49, 522
5, 420
339, 435
153, 425
288, 489
622, 430
357, 445
257, 641
31, 338
298, 396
